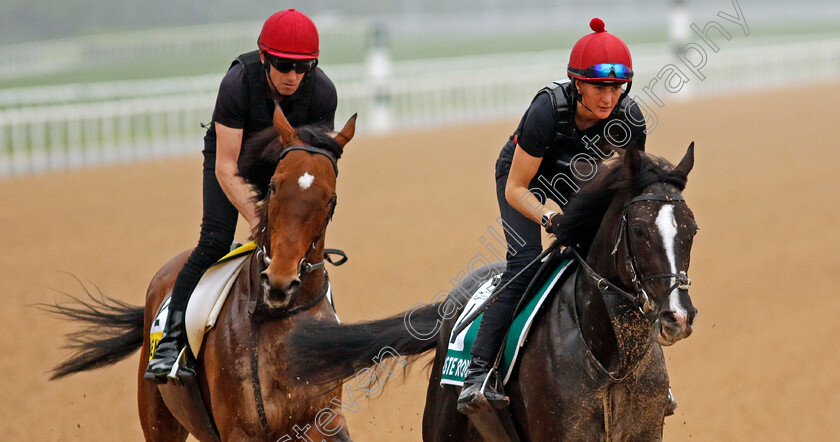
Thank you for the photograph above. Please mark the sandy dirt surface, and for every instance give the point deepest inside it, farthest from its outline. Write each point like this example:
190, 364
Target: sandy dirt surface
761, 364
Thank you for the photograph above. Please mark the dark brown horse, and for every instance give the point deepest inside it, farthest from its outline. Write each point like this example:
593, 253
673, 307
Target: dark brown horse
242, 365
592, 368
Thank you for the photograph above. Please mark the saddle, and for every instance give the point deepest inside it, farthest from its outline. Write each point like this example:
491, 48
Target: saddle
210, 295
551, 275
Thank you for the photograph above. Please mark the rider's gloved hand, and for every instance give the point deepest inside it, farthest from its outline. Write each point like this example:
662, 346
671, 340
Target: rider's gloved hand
551, 223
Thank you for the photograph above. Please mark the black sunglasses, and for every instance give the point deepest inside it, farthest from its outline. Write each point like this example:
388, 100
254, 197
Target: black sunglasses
285, 65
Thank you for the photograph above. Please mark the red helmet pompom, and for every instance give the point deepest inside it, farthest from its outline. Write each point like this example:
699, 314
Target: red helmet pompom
597, 24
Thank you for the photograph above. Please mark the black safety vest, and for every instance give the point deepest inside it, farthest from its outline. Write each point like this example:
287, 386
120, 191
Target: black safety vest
566, 135
260, 105
568, 140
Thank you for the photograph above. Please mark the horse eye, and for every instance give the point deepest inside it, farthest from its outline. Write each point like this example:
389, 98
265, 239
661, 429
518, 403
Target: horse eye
637, 229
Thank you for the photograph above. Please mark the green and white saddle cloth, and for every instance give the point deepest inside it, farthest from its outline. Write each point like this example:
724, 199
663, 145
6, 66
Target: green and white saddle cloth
458, 354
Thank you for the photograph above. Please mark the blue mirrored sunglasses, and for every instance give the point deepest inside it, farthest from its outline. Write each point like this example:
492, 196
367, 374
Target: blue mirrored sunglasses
609, 70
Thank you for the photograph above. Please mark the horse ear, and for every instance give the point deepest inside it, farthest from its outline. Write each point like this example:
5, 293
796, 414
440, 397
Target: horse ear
347, 132
632, 159
687, 162
288, 135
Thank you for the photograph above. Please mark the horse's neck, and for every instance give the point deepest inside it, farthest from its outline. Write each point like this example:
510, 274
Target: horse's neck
613, 328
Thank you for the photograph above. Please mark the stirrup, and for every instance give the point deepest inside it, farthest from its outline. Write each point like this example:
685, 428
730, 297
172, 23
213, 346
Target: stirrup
497, 403
479, 401
180, 369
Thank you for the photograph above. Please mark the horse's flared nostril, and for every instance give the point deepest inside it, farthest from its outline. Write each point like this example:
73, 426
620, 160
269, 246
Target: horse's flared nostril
293, 287
677, 319
266, 284
692, 315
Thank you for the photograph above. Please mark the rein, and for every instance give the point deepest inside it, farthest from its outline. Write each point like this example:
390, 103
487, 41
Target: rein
640, 298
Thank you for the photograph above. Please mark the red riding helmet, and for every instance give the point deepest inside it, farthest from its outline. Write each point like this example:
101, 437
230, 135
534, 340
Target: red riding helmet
600, 57
289, 34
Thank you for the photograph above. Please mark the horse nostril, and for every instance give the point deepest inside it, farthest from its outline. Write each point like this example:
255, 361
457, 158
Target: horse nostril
674, 318
293, 286
264, 281
692, 316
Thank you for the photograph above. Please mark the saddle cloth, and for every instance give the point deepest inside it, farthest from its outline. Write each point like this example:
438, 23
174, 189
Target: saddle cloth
458, 355
206, 300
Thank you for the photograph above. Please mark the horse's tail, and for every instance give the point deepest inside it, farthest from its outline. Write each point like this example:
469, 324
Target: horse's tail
114, 331
322, 352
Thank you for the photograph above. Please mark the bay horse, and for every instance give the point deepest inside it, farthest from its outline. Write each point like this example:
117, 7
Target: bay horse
592, 367
287, 280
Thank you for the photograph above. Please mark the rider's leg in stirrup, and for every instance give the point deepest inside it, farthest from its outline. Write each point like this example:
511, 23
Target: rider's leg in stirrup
482, 386
173, 341
218, 225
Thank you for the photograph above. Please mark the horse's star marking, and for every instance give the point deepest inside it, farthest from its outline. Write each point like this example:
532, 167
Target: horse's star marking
305, 180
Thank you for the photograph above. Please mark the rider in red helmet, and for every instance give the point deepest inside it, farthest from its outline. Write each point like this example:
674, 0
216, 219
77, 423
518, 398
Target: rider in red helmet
283, 72
588, 115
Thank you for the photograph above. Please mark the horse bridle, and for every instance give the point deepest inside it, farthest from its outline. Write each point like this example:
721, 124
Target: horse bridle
305, 267
641, 298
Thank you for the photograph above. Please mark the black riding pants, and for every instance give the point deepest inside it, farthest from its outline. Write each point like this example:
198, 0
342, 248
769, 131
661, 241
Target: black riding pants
524, 244
218, 225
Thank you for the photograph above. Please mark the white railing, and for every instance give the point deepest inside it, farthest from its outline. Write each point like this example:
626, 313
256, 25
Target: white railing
48, 56
57, 127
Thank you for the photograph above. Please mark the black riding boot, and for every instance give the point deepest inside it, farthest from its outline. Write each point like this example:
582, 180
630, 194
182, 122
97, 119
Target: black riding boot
479, 392
168, 349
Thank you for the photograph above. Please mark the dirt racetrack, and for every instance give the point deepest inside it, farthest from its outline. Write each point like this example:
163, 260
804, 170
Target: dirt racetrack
761, 364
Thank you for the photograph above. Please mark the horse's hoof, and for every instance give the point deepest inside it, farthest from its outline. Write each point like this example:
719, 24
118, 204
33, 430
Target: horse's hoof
671, 406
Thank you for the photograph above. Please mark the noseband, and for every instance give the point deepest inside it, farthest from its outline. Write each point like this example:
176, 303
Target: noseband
641, 298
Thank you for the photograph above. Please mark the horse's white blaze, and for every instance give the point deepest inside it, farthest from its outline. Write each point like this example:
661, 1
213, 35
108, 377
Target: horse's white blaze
667, 225
305, 180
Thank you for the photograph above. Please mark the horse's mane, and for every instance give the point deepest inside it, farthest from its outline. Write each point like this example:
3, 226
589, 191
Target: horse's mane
262, 151
585, 211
